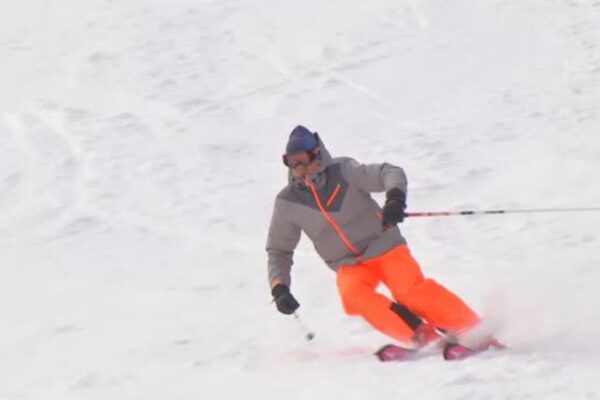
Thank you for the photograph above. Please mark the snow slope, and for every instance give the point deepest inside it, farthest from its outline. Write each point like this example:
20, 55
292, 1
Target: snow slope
140, 152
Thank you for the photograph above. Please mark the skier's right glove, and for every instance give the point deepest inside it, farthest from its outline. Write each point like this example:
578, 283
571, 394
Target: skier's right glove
393, 210
286, 303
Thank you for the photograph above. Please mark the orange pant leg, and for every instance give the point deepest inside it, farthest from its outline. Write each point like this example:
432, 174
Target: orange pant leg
357, 285
425, 297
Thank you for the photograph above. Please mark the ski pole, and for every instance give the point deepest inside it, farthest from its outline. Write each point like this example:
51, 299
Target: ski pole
487, 212
309, 334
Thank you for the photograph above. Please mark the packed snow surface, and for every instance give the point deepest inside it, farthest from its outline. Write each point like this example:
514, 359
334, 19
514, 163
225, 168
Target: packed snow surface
140, 154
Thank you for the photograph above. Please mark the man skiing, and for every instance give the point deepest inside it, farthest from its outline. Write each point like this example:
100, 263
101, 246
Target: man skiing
329, 200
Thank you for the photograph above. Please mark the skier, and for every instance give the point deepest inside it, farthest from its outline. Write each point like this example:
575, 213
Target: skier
329, 200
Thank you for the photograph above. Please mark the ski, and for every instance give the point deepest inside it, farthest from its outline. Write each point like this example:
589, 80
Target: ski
392, 352
457, 351
452, 351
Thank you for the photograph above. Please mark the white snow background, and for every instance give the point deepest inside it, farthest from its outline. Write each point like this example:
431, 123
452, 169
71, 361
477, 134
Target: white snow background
140, 154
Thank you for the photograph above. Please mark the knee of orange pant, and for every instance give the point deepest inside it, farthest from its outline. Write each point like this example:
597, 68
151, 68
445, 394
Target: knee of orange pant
429, 288
429, 285
352, 300
349, 308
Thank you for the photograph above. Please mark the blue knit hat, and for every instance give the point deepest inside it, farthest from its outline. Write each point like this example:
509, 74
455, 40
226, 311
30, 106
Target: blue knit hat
301, 139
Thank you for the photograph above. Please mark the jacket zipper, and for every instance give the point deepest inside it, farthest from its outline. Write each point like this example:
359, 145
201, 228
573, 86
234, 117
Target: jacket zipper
333, 196
331, 220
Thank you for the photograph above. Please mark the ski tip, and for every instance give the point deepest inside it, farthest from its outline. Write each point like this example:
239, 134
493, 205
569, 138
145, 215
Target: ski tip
457, 351
392, 352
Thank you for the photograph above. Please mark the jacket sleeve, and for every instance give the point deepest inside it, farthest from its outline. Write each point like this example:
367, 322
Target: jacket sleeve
374, 177
283, 237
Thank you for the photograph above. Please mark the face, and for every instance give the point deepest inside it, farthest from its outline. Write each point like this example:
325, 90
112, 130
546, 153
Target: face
302, 164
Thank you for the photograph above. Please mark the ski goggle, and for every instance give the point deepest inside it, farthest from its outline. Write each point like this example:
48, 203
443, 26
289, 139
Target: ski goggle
302, 159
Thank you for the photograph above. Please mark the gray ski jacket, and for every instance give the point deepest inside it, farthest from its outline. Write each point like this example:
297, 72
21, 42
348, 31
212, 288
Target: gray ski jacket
335, 210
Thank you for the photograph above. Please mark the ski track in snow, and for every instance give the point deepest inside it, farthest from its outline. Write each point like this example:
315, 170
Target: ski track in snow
141, 155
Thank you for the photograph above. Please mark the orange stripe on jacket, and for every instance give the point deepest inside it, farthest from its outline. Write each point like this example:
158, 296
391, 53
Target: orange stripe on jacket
330, 219
333, 195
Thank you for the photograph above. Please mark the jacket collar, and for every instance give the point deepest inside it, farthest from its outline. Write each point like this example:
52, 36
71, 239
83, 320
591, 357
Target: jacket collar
319, 177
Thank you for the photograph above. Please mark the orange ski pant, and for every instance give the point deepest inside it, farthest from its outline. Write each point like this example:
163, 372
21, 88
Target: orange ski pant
400, 272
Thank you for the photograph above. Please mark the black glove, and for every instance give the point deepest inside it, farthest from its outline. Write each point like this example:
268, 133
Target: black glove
393, 210
286, 303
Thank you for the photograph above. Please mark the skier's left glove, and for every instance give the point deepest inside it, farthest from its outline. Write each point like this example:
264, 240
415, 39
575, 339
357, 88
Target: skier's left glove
393, 210
286, 303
